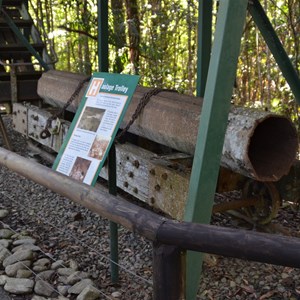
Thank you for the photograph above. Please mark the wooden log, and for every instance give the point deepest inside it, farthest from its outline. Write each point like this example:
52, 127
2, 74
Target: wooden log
257, 144
230, 242
168, 272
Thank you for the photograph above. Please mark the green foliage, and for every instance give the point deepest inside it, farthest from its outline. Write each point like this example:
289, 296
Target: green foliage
166, 45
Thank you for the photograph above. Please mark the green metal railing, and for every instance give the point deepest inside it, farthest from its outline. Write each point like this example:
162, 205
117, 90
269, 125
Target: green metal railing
112, 169
215, 79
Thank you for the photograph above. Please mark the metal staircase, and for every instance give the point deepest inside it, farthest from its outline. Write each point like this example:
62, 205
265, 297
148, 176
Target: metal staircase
23, 54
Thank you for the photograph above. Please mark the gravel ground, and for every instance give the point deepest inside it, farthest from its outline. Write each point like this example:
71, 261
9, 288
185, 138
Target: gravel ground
65, 230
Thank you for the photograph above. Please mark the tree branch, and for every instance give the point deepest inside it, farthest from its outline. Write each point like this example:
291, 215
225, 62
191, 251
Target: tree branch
77, 31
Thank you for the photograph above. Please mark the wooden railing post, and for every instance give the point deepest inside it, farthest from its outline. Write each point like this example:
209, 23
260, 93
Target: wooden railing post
168, 272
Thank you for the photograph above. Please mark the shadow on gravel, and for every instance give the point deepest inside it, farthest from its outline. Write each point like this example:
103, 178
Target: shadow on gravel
4, 295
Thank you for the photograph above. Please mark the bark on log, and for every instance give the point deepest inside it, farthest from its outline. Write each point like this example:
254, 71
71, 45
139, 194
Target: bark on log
257, 144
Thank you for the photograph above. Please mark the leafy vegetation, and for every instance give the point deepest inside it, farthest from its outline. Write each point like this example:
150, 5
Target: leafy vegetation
158, 39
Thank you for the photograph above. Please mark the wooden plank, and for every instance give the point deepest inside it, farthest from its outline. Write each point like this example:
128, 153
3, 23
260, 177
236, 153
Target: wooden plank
20, 120
17, 51
9, 36
19, 23
37, 119
160, 181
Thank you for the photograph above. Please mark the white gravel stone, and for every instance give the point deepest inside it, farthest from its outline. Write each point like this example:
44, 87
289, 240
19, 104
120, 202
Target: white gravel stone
89, 293
5, 243
3, 279
12, 270
19, 286
18, 256
46, 275
63, 289
3, 213
77, 276
24, 273
25, 246
4, 253
65, 271
116, 294
5, 233
73, 264
35, 297
24, 241
80, 286
57, 264
44, 288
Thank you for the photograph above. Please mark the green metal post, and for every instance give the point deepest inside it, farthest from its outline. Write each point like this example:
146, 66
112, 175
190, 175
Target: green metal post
112, 187
262, 21
103, 35
112, 180
24, 41
204, 43
214, 115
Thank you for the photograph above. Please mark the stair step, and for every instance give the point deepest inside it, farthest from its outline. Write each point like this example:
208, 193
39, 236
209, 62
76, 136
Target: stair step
14, 13
27, 91
26, 75
19, 23
15, 51
12, 2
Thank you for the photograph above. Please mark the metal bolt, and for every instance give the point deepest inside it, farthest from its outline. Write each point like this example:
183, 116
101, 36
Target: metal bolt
135, 190
136, 163
23, 121
14, 113
25, 112
34, 126
152, 172
152, 200
126, 184
130, 174
157, 187
14, 126
164, 176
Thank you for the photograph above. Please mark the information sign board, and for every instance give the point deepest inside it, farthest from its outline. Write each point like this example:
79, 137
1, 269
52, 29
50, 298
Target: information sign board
95, 126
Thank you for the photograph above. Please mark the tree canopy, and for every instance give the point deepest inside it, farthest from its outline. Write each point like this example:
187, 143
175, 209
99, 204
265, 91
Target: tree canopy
158, 40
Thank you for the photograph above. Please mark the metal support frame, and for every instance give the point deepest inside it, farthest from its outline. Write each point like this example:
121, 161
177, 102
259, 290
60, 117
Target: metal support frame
218, 91
112, 170
24, 41
204, 44
103, 35
264, 25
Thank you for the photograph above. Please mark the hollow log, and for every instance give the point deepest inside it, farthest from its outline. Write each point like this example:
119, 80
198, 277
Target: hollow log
258, 144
